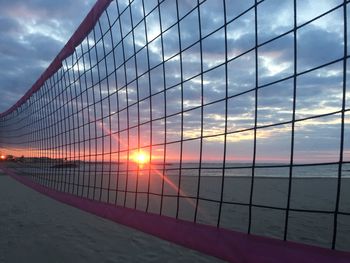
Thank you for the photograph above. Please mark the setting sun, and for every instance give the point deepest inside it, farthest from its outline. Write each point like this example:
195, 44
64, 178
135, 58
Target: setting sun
140, 157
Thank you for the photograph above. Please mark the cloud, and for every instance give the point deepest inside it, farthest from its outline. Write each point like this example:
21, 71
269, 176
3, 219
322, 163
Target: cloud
9, 26
318, 46
27, 50
31, 35
272, 24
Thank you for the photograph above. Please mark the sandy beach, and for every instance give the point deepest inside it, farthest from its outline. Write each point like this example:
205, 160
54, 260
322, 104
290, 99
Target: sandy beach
313, 189
35, 228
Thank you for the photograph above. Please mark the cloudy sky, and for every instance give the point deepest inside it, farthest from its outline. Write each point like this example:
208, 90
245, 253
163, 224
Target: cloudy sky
32, 33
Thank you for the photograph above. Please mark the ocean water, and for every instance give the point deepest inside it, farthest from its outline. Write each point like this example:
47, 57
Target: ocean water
195, 169
216, 169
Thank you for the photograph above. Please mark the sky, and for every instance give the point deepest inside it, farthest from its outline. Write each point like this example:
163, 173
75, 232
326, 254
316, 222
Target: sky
33, 32
31, 35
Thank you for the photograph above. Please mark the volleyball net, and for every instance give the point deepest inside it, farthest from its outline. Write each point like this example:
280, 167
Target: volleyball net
219, 113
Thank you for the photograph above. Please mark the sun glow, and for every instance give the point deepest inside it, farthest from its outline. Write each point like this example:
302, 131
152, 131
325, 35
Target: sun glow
140, 157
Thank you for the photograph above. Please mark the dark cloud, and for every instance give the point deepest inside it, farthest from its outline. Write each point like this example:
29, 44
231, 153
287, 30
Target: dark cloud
47, 9
9, 26
318, 46
31, 35
276, 22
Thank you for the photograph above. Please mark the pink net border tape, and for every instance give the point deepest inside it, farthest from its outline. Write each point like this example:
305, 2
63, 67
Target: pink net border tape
221, 243
83, 30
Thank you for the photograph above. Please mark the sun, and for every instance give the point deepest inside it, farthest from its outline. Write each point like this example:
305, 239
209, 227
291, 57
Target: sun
140, 157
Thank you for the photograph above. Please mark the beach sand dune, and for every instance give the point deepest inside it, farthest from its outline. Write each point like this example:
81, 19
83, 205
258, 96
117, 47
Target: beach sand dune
35, 228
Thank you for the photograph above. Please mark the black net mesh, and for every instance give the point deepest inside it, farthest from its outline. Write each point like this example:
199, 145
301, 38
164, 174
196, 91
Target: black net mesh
226, 113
